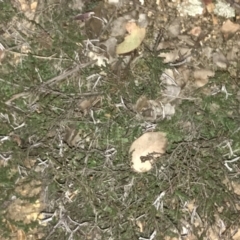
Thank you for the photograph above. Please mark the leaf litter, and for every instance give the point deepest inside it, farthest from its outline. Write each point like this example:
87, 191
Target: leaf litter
84, 137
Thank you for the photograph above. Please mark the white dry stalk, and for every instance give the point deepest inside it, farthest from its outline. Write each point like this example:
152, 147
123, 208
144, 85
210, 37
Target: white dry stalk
19, 126
63, 223
5, 159
121, 104
4, 138
15, 123
148, 126
60, 145
153, 235
230, 154
163, 112
195, 215
158, 202
5, 116
76, 56
224, 90
110, 152
222, 226
37, 71
47, 217
68, 195
1, 47
230, 161
92, 116
104, 20
43, 163
96, 83
21, 171
89, 42
127, 188
92, 76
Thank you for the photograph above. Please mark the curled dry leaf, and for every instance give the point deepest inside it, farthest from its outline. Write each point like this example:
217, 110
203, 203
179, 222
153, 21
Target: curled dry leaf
220, 60
146, 149
201, 76
132, 40
110, 45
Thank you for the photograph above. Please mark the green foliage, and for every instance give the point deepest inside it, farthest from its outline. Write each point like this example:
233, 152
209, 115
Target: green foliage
6, 13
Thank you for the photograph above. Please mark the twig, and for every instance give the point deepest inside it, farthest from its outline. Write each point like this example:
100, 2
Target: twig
66, 74
39, 57
51, 82
16, 96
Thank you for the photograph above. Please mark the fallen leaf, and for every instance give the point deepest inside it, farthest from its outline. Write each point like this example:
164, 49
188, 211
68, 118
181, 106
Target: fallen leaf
237, 235
110, 45
33, 6
220, 60
140, 225
132, 40
169, 110
201, 76
172, 91
146, 149
229, 28
21, 235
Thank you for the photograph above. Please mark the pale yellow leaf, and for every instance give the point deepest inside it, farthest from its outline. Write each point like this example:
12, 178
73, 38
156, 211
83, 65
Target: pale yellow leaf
133, 39
146, 149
